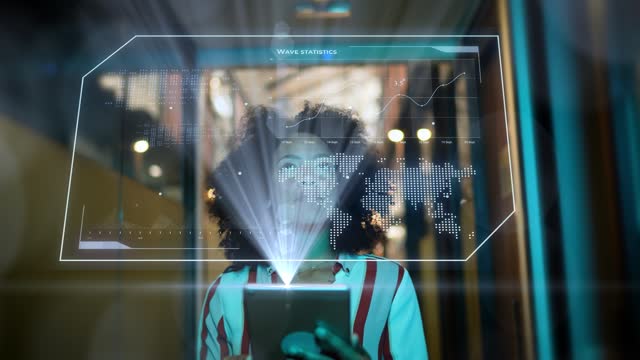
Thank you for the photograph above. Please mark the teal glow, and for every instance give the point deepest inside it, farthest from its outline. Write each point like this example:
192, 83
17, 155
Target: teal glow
544, 332
627, 136
564, 80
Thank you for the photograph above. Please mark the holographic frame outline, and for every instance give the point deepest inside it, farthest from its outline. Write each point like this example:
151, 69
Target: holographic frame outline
504, 105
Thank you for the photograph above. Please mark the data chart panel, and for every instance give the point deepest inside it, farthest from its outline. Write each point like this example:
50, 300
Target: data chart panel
294, 139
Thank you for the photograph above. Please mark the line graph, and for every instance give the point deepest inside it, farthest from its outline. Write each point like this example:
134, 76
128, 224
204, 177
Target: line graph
384, 108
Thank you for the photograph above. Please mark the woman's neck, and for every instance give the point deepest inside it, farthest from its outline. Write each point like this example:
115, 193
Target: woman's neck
317, 271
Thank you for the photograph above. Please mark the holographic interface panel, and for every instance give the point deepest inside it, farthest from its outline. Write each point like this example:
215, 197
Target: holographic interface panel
158, 117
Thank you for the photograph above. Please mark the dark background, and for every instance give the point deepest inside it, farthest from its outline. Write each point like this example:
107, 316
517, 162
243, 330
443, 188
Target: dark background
573, 93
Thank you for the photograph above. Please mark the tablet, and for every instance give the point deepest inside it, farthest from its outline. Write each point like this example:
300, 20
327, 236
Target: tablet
280, 316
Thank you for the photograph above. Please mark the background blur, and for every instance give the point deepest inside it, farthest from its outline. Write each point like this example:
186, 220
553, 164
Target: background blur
558, 281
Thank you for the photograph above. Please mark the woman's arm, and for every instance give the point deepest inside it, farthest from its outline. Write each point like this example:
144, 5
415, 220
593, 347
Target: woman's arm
405, 331
212, 340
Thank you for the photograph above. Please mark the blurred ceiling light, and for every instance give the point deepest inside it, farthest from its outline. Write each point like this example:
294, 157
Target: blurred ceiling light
396, 233
323, 9
215, 83
114, 83
141, 146
155, 171
211, 194
395, 135
223, 105
424, 134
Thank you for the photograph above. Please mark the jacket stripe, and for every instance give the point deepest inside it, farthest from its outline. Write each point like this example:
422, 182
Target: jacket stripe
204, 332
365, 299
245, 330
222, 339
383, 348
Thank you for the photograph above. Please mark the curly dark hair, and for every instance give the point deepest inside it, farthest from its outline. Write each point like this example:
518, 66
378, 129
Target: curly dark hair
263, 131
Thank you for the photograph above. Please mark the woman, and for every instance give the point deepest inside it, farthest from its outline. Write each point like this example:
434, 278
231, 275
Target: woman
318, 200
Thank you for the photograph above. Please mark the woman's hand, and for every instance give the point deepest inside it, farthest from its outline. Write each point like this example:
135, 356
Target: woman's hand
333, 346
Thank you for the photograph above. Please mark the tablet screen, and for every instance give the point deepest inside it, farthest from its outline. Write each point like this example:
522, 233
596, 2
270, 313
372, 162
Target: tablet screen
281, 316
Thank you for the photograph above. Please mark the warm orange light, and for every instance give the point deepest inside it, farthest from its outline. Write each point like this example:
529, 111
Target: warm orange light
141, 146
395, 135
424, 134
211, 194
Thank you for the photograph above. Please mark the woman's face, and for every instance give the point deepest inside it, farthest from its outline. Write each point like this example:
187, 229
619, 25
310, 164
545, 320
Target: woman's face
305, 177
